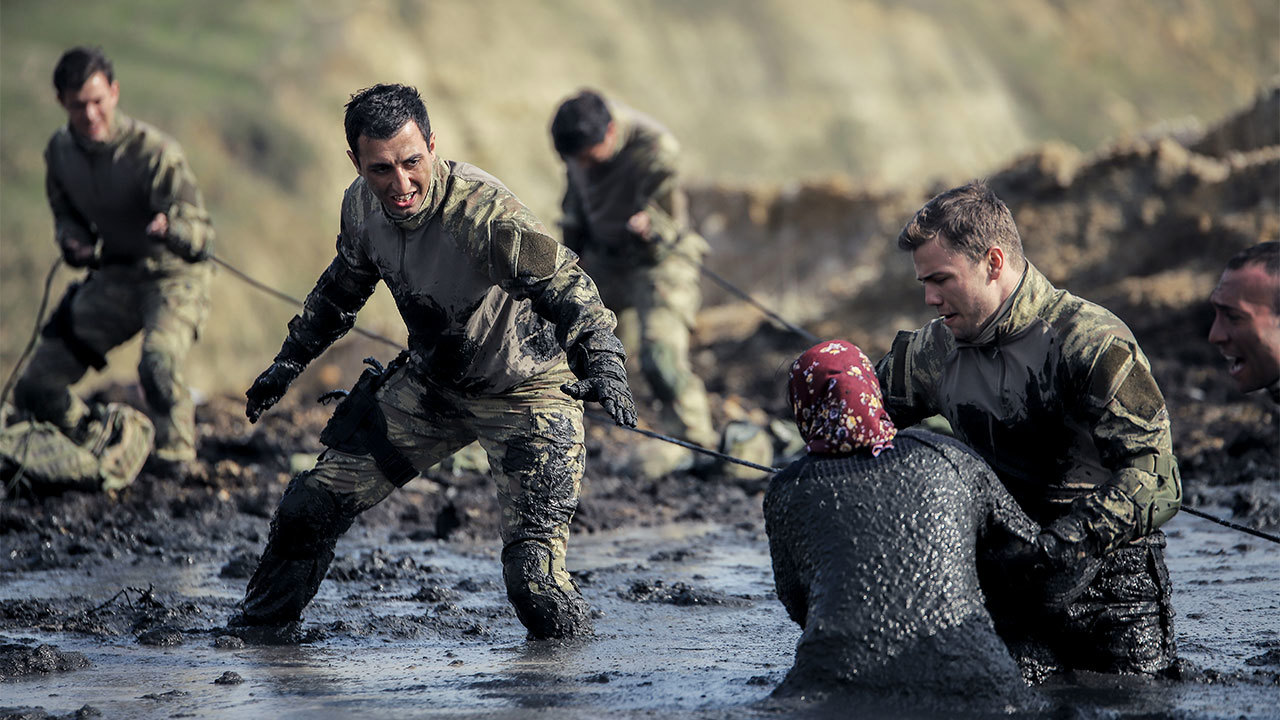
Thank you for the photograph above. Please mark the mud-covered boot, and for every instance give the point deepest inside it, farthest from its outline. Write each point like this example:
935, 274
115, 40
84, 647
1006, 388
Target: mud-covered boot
299, 550
546, 600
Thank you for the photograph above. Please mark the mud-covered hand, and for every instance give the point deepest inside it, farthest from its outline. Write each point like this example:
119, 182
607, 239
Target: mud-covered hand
1070, 557
270, 387
606, 383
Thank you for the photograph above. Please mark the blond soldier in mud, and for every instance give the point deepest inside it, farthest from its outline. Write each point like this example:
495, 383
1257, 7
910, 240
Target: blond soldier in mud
506, 335
1055, 394
125, 204
625, 213
1246, 322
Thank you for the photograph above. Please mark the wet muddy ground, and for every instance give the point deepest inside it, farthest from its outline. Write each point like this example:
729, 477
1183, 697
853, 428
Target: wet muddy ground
687, 626
413, 620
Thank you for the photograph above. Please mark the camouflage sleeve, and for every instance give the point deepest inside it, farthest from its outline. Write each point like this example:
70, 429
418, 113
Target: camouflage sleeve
907, 375
529, 264
174, 192
573, 220
1130, 428
67, 219
514, 249
331, 307
659, 193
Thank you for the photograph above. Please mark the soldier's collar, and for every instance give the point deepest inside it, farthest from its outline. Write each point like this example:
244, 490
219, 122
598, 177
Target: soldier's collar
435, 197
1018, 310
118, 123
1274, 391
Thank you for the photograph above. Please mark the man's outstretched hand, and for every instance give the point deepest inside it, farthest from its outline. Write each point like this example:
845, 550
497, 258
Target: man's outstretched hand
606, 383
270, 387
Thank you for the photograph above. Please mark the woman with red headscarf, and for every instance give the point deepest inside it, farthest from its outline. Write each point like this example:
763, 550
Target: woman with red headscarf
874, 539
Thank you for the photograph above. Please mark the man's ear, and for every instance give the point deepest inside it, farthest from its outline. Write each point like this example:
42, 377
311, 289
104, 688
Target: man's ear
431, 144
354, 160
995, 262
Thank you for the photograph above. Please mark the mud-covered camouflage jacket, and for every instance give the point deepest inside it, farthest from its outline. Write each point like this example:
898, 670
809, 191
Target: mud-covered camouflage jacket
640, 175
1058, 398
490, 299
109, 192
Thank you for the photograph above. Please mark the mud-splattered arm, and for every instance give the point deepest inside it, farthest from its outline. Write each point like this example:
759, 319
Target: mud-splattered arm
174, 194
519, 256
1129, 424
908, 373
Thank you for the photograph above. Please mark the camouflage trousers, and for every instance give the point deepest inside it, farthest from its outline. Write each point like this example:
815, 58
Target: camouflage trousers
1122, 623
534, 439
108, 308
656, 305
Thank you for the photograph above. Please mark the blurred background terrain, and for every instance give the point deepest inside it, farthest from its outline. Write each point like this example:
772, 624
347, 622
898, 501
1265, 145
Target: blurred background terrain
811, 129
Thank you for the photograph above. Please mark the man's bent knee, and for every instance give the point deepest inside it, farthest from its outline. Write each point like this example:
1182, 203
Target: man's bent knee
546, 608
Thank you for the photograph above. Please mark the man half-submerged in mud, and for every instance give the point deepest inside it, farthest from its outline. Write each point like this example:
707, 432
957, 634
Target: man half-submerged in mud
874, 537
500, 320
1055, 394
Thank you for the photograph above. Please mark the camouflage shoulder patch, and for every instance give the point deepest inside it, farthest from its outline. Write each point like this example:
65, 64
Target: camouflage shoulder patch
1119, 375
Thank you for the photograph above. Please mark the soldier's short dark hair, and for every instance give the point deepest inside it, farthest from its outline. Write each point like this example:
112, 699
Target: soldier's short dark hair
380, 111
1265, 255
970, 218
77, 65
580, 122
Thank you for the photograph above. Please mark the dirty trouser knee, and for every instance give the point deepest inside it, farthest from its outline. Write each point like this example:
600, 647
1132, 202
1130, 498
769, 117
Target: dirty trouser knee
299, 549
534, 438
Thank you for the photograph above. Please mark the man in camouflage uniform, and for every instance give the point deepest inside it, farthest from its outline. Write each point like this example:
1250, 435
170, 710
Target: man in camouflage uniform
1246, 322
625, 213
1056, 395
125, 204
506, 337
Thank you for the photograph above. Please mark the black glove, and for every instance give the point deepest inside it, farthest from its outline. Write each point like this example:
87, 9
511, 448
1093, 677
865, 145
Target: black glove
1070, 557
270, 387
606, 383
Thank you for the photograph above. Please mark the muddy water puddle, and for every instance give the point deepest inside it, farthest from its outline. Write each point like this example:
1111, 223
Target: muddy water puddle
688, 627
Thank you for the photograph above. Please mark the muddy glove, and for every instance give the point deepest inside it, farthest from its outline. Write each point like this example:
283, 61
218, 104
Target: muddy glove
606, 383
1070, 558
75, 252
270, 387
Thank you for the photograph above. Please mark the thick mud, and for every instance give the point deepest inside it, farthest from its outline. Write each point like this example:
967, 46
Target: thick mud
423, 629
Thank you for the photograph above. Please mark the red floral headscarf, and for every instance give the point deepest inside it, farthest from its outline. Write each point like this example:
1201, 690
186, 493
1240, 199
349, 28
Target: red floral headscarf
836, 399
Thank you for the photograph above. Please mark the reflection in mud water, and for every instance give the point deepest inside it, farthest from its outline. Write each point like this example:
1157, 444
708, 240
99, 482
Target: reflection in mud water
391, 655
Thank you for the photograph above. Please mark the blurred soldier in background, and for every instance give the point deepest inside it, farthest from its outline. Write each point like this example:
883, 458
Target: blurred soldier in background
625, 214
126, 205
506, 336
1246, 322
1055, 394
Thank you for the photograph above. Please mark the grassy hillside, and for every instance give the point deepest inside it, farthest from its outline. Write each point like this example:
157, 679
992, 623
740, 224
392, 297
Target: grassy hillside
889, 93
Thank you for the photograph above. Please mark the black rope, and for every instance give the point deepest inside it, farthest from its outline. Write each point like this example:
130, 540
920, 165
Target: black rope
808, 336
1233, 526
289, 298
35, 335
686, 444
